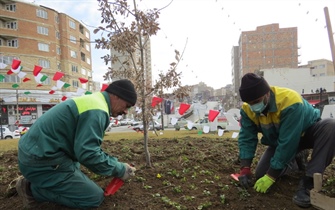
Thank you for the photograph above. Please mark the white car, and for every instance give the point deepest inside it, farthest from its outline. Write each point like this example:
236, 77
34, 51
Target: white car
7, 134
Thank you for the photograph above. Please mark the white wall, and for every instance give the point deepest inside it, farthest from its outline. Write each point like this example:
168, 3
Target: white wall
298, 79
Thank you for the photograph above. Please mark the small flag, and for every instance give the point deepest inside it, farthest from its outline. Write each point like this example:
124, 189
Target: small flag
26, 79
27, 92
64, 98
155, 100
21, 74
66, 85
16, 63
2, 77
60, 84
83, 80
37, 70
15, 86
104, 86
52, 92
58, 75
88, 93
212, 115
183, 108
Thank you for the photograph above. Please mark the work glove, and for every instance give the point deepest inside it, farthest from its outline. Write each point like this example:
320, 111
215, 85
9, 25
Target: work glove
130, 171
245, 177
263, 184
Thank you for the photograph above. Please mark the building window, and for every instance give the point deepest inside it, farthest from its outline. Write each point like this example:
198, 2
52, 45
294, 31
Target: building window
74, 68
44, 63
11, 25
87, 34
6, 59
43, 47
75, 83
88, 47
11, 78
73, 54
58, 50
83, 57
1, 41
13, 43
57, 35
83, 72
72, 24
88, 61
11, 7
41, 13
57, 19
73, 39
42, 30
59, 66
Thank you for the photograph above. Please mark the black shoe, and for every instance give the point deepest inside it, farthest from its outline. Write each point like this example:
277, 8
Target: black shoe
301, 159
302, 196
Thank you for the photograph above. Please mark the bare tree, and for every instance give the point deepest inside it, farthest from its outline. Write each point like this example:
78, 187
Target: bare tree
127, 30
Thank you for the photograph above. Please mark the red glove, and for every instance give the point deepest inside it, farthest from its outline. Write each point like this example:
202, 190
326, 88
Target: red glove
245, 177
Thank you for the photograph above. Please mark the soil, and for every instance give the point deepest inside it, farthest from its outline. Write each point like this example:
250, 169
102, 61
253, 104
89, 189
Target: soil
185, 174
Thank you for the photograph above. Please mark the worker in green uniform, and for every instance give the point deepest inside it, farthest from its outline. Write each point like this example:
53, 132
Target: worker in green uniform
288, 124
67, 135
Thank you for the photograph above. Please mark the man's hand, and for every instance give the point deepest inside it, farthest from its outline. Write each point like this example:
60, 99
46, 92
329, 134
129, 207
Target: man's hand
263, 184
245, 177
130, 171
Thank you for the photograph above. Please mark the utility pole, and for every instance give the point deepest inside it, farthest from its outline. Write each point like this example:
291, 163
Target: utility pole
330, 35
17, 107
1, 103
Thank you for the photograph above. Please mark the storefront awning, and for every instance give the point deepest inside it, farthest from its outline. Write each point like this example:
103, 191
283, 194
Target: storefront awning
313, 102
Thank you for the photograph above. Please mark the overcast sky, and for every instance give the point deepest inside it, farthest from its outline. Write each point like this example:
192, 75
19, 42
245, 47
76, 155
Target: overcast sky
209, 29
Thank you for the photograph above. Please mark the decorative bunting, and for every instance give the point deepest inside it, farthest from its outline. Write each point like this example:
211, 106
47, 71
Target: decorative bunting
57, 76
39, 85
66, 85
212, 115
80, 91
15, 86
88, 93
27, 92
37, 70
155, 100
21, 74
183, 108
2, 77
104, 86
52, 92
3, 65
44, 77
17, 70
83, 80
16, 63
60, 84
25, 79
9, 72
64, 98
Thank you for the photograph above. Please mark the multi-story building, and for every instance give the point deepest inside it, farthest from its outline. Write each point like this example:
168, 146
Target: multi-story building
122, 63
267, 47
40, 36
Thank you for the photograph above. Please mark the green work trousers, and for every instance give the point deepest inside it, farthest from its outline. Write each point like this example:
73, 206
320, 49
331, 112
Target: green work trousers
63, 183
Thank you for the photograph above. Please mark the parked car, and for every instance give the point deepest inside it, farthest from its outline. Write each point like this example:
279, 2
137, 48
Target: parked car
134, 123
126, 121
7, 134
200, 123
157, 126
181, 122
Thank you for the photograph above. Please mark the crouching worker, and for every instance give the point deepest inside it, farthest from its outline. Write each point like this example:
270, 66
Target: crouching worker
67, 135
289, 125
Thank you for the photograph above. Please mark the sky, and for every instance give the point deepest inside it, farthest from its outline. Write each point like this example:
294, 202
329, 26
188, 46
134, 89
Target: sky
206, 31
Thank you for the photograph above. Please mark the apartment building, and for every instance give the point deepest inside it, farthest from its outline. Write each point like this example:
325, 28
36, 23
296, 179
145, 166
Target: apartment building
269, 46
40, 36
123, 62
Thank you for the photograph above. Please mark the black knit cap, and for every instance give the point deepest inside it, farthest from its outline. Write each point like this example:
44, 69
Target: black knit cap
253, 87
124, 89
